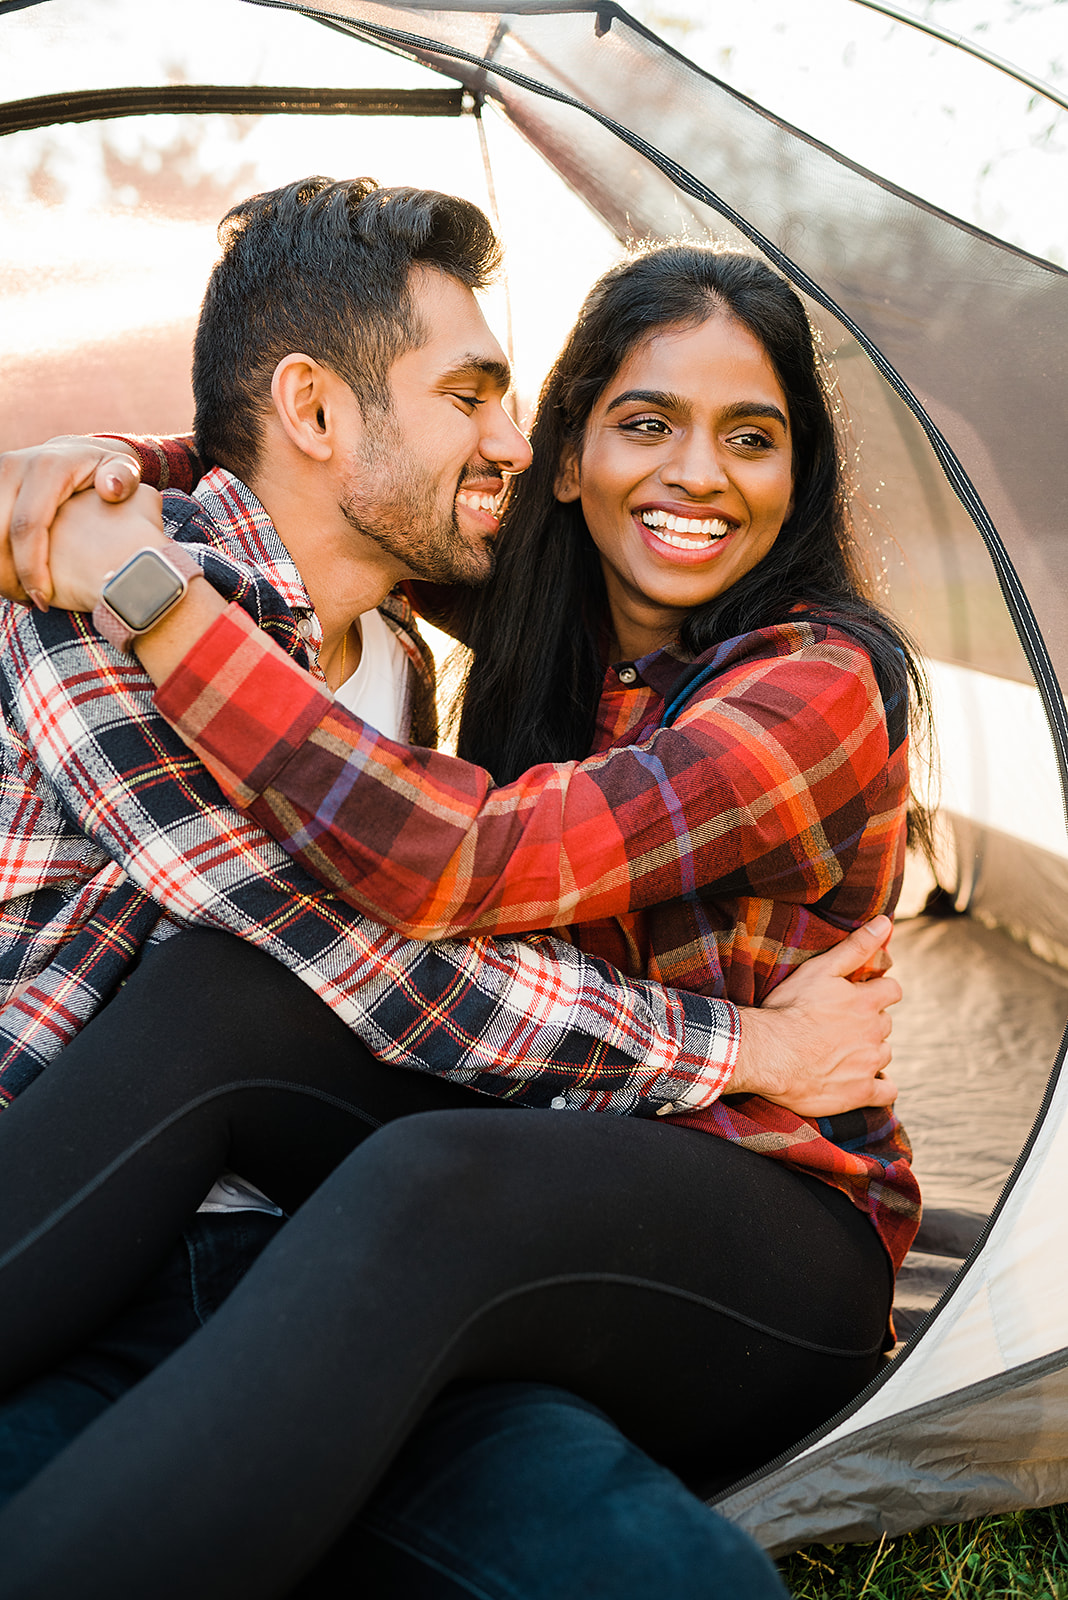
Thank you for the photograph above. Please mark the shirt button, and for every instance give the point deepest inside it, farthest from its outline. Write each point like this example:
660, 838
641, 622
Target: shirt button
306, 628
627, 675
558, 1102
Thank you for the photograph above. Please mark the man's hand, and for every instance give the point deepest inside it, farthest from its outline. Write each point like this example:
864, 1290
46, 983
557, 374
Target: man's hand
34, 483
819, 1044
90, 540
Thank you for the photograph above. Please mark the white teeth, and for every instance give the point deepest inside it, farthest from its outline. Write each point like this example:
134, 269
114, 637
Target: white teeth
695, 531
477, 502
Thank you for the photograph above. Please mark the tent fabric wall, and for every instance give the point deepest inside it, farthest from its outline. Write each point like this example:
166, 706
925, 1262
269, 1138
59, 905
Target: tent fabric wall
973, 1416
999, 1445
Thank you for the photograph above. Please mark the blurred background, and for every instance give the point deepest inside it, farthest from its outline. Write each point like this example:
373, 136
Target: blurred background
107, 229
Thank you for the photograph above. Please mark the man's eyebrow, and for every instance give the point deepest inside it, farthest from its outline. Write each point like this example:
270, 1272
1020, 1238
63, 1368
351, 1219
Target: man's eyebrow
498, 372
676, 402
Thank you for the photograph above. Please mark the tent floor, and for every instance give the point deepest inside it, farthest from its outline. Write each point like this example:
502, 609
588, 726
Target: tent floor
974, 1041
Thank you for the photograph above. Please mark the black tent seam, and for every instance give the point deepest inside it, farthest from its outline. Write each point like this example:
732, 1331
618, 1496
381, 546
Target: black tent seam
91, 105
969, 48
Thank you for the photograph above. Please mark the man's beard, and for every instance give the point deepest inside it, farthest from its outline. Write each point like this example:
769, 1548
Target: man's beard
392, 500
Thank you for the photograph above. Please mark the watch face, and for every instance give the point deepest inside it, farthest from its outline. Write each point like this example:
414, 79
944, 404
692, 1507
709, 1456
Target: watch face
143, 590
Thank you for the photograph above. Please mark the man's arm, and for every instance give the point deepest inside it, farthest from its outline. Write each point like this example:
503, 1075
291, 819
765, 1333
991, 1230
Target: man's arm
826, 1055
527, 1021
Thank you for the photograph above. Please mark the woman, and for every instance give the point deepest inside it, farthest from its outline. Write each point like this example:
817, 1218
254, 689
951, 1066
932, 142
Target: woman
718, 832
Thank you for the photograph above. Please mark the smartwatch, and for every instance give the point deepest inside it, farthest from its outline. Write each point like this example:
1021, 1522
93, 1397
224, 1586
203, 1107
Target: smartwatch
141, 593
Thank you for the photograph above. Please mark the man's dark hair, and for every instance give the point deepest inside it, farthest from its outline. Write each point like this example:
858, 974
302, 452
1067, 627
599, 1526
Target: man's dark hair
323, 268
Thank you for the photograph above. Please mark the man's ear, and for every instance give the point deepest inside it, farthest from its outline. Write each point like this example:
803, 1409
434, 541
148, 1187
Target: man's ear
568, 485
306, 398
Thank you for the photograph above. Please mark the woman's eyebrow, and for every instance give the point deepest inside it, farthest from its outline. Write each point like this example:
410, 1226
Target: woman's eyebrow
474, 367
649, 397
755, 408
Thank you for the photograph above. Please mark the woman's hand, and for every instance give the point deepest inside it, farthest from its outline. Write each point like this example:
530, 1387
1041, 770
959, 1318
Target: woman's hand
819, 1044
90, 540
34, 483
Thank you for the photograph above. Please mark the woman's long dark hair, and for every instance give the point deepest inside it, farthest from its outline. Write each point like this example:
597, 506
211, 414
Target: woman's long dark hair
536, 630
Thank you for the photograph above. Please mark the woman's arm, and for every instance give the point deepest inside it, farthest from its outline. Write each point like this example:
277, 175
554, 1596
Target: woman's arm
35, 482
761, 787
539, 1023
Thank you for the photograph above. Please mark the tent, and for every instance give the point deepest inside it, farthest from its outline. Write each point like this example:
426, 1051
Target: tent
953, 353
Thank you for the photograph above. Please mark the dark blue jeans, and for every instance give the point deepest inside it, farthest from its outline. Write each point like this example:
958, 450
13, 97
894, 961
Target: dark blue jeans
42, 1416
506, 1492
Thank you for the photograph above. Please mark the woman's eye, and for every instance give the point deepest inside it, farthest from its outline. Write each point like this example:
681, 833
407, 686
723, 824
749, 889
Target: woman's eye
471, 400
645, 427
752, 440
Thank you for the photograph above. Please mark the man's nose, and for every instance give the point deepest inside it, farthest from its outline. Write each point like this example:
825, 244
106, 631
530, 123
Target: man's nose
502, 442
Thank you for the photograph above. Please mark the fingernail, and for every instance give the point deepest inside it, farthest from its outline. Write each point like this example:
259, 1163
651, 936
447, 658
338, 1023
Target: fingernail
113, 484
38, 599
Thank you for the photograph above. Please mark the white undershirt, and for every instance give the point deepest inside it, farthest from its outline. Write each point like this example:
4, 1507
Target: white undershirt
378, 692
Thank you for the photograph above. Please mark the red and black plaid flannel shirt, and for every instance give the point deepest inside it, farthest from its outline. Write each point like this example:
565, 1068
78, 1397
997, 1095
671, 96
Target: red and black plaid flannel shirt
114, 835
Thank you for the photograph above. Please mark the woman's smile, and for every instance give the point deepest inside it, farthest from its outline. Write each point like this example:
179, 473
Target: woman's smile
685, 475
680, 534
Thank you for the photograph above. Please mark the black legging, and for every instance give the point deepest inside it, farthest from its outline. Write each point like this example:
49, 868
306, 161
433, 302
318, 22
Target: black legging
716, 1304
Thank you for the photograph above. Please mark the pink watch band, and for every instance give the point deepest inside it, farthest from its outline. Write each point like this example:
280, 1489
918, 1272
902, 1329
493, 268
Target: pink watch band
118, 632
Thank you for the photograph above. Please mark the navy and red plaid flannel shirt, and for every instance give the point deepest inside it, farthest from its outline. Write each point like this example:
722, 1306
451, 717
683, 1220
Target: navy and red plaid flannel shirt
115, 836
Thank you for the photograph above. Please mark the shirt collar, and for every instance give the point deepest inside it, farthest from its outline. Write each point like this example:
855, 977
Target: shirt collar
250, 535
660, 669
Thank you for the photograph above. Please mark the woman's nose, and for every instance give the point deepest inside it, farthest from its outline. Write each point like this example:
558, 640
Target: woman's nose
696, 467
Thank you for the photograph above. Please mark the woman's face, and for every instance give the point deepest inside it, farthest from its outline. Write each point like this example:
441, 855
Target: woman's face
685, 476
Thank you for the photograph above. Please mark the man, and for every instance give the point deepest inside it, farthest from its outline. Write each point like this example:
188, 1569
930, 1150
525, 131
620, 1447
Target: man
346, 379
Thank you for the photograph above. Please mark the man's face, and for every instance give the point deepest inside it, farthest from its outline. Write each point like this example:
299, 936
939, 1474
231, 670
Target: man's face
424, 480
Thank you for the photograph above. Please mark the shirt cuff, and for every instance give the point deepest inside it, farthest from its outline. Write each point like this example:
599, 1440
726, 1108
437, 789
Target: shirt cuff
166, 463
712, 1033
241, 705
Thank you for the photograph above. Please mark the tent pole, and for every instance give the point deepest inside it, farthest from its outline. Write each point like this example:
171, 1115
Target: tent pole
959, 42
491, 193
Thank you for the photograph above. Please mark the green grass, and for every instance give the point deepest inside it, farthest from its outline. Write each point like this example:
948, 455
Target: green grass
998, 1558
